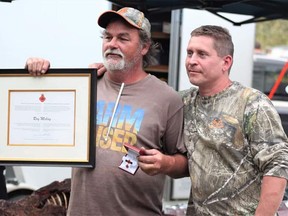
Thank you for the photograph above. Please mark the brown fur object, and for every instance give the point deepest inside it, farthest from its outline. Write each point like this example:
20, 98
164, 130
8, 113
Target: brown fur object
49, 200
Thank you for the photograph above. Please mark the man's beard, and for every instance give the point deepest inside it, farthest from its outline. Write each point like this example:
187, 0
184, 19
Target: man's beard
119, 65
111, 64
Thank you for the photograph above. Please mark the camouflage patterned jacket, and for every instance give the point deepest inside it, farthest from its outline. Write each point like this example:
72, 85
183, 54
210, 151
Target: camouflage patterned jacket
233, 139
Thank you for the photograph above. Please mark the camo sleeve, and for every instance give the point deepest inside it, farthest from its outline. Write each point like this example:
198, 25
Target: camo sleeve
268, 141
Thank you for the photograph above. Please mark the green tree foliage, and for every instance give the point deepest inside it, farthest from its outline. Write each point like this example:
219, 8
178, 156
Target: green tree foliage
272, 33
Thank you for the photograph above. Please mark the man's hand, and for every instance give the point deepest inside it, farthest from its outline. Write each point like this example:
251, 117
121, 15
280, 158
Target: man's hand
100, 68
37, 66
153, 162
150, 161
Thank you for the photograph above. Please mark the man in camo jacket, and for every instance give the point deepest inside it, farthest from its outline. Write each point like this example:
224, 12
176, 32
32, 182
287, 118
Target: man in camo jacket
237, 148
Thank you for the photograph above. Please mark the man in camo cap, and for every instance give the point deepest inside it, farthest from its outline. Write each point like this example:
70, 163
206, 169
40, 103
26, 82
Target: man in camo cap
149, 116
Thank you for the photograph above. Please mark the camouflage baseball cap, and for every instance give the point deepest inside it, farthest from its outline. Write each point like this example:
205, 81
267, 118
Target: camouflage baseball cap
132, 16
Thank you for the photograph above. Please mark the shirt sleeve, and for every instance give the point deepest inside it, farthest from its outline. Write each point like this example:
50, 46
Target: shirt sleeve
173, 137
266, 136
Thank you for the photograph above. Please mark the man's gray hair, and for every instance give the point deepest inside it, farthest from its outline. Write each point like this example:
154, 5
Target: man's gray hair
151, 56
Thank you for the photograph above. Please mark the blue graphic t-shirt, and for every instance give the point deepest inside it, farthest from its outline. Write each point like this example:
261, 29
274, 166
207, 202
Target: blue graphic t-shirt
148, 114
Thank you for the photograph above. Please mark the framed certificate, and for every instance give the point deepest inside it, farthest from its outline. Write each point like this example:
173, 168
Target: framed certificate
48, 119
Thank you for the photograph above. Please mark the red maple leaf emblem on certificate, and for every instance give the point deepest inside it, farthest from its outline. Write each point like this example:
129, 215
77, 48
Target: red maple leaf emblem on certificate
42, 98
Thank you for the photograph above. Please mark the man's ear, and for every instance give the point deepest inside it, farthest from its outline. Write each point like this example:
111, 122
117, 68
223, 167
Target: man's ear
145, 48
227, 63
